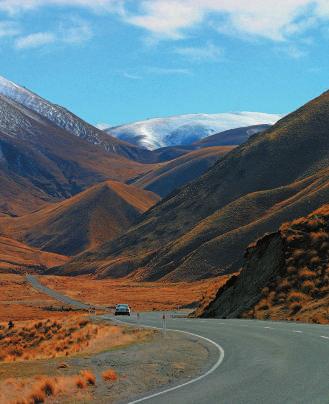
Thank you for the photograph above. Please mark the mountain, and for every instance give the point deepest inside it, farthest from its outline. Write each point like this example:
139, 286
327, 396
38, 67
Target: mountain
178, 172
285, 275
86, 220
203, 229
186, 129
41, 162
66, 120
231, 137
18, 257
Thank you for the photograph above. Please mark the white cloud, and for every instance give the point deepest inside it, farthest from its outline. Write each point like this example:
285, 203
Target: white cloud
9, 29
16, 6
131, 76
73, 31
167, 71
206, 53
292, 51
276, 20
35, 40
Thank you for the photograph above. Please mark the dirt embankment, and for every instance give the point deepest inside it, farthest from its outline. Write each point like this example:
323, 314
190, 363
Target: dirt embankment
243, 291
285, 275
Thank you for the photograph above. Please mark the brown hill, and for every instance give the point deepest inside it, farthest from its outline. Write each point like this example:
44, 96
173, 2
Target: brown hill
86, 220
285, 275
17, 257
40, 162
178, 172
203, 229
229, 137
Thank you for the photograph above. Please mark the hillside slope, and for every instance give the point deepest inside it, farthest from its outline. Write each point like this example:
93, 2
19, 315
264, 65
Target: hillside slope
178, 172
285, 275
40, 162
18, 257
66, 120
86, 220
203, 229
231, 137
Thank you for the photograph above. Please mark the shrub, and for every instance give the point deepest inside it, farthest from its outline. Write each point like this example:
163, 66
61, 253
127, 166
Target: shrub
296, 296
295, 307
80, 383
307, 286
305, 273
37, 397
109, 375
89, 376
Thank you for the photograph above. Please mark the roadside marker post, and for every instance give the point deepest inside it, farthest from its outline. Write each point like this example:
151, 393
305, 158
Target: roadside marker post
138, 318
164, 324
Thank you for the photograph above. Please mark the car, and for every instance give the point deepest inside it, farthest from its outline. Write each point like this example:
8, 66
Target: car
122, 310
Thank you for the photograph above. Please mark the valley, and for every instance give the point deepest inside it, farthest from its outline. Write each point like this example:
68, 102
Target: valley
228, 225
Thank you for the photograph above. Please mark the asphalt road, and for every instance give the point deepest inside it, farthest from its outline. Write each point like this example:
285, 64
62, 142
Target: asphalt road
264, 362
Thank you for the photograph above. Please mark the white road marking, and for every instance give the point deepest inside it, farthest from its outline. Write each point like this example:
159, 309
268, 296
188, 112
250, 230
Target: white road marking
269, 328
323, 336
301, 332
214, 367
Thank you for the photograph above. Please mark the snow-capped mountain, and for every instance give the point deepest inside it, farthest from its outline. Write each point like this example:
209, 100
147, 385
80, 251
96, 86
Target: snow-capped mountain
65, 119
186, 129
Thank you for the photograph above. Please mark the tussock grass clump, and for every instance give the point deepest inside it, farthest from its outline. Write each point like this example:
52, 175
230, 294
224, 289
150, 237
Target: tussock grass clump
88, 376
42, 389
304, 280
110, 375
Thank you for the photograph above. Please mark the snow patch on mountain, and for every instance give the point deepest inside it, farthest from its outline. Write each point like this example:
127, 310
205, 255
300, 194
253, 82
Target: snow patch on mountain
186, 129
54, 113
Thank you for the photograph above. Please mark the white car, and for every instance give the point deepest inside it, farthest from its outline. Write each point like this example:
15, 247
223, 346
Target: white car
122, 310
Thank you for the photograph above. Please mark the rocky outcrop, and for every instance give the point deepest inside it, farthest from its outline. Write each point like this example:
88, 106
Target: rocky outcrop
264, 261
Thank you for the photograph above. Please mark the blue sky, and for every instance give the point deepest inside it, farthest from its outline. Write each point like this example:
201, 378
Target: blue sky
117, 61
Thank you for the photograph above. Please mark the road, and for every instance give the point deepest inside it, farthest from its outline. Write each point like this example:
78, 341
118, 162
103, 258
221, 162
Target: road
265, 362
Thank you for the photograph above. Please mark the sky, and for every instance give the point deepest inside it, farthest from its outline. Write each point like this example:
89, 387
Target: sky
119, 61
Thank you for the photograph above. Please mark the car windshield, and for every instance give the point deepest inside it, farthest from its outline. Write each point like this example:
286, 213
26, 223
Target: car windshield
122, 306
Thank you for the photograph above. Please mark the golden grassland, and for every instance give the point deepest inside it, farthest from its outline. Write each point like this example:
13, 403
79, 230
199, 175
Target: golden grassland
141, 296
19, 301
302, 294
29, 342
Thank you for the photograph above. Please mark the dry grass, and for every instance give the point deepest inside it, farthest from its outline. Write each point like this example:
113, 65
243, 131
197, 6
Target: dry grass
19, 301
110, 375
302, 293
50, 339
40, 389
16, 256
88, 376
141, 296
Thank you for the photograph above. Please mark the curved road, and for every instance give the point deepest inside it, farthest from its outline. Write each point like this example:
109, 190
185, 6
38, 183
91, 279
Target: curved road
265, 362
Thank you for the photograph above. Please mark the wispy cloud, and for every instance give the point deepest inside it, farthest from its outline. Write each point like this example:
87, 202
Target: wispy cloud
9, 29
35, 40
131, 76
292, 51
17, 6
209, 52
73, 31
168, 71
142, 72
